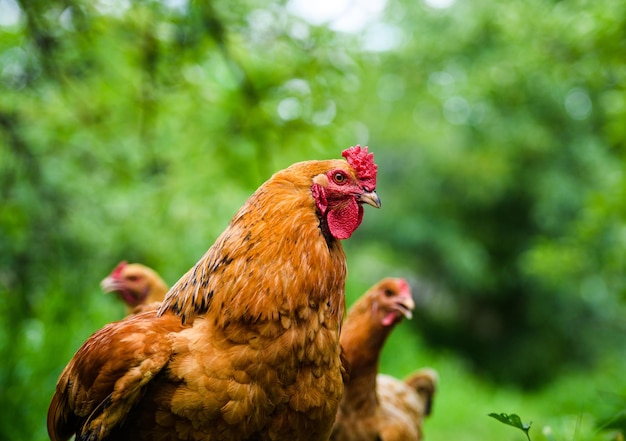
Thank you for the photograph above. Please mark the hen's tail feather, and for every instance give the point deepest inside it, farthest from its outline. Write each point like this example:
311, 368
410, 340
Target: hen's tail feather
424, 382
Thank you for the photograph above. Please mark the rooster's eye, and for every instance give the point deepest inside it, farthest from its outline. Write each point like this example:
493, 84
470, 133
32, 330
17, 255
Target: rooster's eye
339, 178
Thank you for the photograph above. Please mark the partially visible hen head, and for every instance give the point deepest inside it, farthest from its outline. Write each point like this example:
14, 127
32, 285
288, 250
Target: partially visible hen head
339, 193
135, 284
391, 301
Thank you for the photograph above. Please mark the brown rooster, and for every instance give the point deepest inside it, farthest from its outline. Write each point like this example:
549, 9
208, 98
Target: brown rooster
377, 407
245, 346
137, 285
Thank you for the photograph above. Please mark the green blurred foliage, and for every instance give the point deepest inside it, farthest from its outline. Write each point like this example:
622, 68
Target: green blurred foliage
505, 130
135, 129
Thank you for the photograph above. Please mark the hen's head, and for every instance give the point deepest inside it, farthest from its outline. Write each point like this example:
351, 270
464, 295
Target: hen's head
390, 301
340, 192
135, 284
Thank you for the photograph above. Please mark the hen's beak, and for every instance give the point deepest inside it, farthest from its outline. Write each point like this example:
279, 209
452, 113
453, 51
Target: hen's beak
405, 306
370, 198
110, 284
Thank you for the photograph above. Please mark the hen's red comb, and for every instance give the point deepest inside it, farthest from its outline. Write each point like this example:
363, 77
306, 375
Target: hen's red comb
363, 163
404, 286
117, 271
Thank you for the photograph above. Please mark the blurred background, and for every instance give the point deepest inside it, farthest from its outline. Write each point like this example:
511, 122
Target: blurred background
134, 129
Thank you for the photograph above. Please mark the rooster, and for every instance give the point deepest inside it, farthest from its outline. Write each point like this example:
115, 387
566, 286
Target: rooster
378, 407
139, 287
245, 345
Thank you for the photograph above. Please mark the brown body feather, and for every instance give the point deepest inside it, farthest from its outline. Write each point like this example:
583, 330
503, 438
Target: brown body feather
244, 347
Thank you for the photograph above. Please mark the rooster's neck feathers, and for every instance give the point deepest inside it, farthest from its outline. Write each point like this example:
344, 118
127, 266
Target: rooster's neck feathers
251, 260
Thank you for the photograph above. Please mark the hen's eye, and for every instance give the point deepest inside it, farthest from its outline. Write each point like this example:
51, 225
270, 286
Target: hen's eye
339, 178
388, 293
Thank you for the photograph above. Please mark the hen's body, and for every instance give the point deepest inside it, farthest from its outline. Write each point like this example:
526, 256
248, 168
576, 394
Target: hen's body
397, 414
403, 405
377, 407
244, 347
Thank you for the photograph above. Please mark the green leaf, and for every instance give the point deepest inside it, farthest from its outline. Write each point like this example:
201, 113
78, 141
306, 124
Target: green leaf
513, 420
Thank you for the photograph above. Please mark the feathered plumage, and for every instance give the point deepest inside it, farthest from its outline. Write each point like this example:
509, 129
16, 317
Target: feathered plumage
245, 346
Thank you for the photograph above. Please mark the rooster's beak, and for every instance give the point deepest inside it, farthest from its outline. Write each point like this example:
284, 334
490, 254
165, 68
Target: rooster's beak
369, 197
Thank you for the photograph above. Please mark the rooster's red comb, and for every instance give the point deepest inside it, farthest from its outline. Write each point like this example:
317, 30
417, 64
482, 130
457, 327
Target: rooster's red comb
363, 163
117, 271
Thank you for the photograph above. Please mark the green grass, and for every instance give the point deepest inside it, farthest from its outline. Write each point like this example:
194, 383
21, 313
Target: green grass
569, 409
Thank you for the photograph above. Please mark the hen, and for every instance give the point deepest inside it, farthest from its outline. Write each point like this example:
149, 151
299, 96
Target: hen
377, 407
137, 285
245, 346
